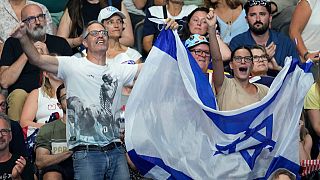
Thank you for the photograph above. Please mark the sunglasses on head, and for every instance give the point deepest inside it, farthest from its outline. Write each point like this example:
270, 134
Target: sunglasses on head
257, 2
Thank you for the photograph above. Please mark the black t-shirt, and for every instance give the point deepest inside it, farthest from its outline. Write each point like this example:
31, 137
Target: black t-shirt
91, 12
29, 78
17, 145
6, 169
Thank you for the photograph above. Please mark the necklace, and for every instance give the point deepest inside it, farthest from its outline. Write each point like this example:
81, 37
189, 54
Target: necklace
229, 26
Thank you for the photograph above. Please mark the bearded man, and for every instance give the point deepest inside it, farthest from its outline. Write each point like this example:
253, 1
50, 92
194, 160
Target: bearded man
278, 45
16, 73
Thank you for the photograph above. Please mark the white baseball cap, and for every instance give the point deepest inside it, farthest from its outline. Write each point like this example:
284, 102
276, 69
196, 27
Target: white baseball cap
107, 12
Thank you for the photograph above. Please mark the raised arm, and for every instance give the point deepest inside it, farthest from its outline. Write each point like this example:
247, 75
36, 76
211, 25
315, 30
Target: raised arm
140, 4
44, 62
299, 20
217, 63
127, 34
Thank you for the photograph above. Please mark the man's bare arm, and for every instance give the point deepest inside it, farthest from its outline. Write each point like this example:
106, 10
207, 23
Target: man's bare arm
45, 159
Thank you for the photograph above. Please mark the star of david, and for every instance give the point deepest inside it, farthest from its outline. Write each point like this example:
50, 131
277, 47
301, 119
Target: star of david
262, 133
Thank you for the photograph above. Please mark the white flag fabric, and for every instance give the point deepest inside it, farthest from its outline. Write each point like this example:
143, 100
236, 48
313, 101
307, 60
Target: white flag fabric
174, 130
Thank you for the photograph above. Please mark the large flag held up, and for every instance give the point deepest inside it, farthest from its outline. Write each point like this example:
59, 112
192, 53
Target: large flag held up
174, 130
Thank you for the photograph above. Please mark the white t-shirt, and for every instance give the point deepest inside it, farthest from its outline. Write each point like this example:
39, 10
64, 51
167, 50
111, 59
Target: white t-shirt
46, 106
131, 56
93, 99
310, 34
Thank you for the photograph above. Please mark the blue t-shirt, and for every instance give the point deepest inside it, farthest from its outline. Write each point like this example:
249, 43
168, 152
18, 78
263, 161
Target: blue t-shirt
285, 46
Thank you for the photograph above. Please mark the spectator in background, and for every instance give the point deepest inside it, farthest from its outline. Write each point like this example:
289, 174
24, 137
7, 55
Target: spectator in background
17, 74
52, 154
304, 29
312, 107
113, 20
16, 145
305, 141
231, 17
175, 9
41, 103
196, 24
137, 8
79, 12
199, 48
259, 73
259, 18
10, 13
12, 166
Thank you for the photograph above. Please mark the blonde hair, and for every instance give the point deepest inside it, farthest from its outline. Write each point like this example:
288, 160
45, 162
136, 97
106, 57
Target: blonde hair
46, 87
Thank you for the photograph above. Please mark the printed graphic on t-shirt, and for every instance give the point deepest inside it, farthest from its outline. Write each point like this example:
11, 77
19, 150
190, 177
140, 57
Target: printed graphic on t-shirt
96, 122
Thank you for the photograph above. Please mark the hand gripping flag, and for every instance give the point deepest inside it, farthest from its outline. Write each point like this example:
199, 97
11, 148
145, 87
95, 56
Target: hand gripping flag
174, 130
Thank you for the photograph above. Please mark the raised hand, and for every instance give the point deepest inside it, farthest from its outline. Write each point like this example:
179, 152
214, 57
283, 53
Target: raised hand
19, 31
171, 23
313, 56
211, 18
41, 47
18, 168
271, 50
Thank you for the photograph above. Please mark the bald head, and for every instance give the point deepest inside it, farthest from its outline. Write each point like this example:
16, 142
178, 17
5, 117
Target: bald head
30, 10
36, 22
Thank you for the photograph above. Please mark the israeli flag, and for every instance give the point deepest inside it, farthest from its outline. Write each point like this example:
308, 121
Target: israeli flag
174, 130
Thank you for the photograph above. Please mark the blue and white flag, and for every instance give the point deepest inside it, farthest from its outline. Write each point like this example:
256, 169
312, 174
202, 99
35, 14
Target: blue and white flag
174, 130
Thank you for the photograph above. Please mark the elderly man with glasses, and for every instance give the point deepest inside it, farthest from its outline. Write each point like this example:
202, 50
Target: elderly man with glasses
278, 45
92, 133
12, 166
17, 74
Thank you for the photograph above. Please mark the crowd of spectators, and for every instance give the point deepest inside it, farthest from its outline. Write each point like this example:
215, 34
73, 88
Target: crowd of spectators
233, 37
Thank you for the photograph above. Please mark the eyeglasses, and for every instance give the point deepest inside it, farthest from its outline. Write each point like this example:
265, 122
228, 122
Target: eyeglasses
95, 33
239, 59
32, 19
117, 22
5, 132
200, 52
257, 2
260, 58
3, 105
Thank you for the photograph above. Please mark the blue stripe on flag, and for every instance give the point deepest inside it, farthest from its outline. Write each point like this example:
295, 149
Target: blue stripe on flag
146, 163
282, 163
203, 86
166, 43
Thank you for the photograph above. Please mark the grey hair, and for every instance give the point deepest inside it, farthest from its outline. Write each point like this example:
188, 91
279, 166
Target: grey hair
5, 118
85, 30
